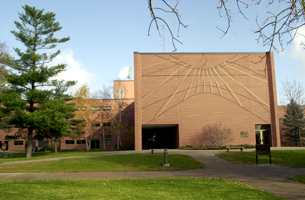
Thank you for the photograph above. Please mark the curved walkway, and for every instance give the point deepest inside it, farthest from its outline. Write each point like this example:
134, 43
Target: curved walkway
270, 178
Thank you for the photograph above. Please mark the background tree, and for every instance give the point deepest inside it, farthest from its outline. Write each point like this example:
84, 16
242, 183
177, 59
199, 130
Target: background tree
56, 114
120, 114
272, 30
5, 59
216, 134
30, 72
104, 99
84, 102
294, 123
292, 90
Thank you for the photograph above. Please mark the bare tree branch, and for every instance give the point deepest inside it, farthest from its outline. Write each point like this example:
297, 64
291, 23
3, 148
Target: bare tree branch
293, 90
155, 19
276, 27
228, 14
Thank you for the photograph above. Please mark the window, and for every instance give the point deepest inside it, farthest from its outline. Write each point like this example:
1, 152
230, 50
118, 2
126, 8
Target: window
95, 124
18, 142
80, 142
95, 108
106, 124
106, 108
79, 108
107, 139
70, 142
43, 143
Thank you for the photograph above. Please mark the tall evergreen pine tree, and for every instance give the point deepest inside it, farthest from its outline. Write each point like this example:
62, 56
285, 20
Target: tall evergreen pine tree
294, 123
41, 115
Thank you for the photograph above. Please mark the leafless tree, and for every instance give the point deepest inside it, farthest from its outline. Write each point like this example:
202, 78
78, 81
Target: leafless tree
272, 30
156, 19
104, 97
5, 58
292, 90
3, 48
283, 23
216, 134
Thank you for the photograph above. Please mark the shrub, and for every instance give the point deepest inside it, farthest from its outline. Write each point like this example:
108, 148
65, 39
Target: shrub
116, 146
47, 147
246, 146
216, 134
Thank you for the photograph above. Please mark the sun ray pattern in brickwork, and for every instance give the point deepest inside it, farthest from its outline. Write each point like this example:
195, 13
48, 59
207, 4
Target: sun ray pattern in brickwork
207, 76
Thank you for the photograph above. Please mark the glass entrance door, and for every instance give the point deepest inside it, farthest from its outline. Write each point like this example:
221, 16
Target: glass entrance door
262, 134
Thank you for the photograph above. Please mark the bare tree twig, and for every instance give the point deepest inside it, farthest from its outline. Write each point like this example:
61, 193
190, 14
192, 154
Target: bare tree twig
292, 90
155, 19
272, 31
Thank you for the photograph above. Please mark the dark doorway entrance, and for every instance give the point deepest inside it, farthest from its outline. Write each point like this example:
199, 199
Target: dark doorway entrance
95, 144
262, 133
160, 136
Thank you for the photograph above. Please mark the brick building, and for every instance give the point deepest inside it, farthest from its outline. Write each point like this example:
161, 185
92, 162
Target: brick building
174, 95
105, 112
177, 94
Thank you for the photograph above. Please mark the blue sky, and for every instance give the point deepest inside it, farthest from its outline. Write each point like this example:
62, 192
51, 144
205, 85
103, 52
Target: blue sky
104, 34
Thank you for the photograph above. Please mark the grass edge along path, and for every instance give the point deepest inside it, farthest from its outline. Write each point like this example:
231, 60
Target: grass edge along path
114, 163
300, 179
153, 188
46, 155
290, 158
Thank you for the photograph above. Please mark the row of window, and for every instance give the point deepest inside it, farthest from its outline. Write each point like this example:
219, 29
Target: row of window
107, 140
40, 143
18, 142
96, 108
96, 124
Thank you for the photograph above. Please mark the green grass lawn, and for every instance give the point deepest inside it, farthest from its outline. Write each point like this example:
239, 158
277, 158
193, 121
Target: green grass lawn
155, 188
291, 158
43, 155
128, 162
298, 178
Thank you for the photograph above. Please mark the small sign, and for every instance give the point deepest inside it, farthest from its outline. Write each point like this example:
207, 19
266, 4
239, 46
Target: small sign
263, 149
244, 134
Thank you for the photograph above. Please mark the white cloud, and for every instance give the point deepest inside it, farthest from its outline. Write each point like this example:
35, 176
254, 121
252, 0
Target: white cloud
296, 50
74, 70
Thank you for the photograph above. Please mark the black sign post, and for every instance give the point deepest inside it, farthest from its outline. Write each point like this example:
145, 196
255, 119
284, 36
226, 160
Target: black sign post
263, 149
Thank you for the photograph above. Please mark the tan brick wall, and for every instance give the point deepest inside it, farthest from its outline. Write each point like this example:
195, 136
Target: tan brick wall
236, 92
127, 85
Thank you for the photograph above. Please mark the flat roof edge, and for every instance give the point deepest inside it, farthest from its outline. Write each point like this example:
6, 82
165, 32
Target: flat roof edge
202, 52
122, 80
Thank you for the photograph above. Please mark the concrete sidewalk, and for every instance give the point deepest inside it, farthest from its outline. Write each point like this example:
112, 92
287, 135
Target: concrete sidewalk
270, 178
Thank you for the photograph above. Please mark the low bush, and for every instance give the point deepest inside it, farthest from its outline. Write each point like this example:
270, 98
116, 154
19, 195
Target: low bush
246, 146
200, 148
47, 147
116, 147
188, 147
